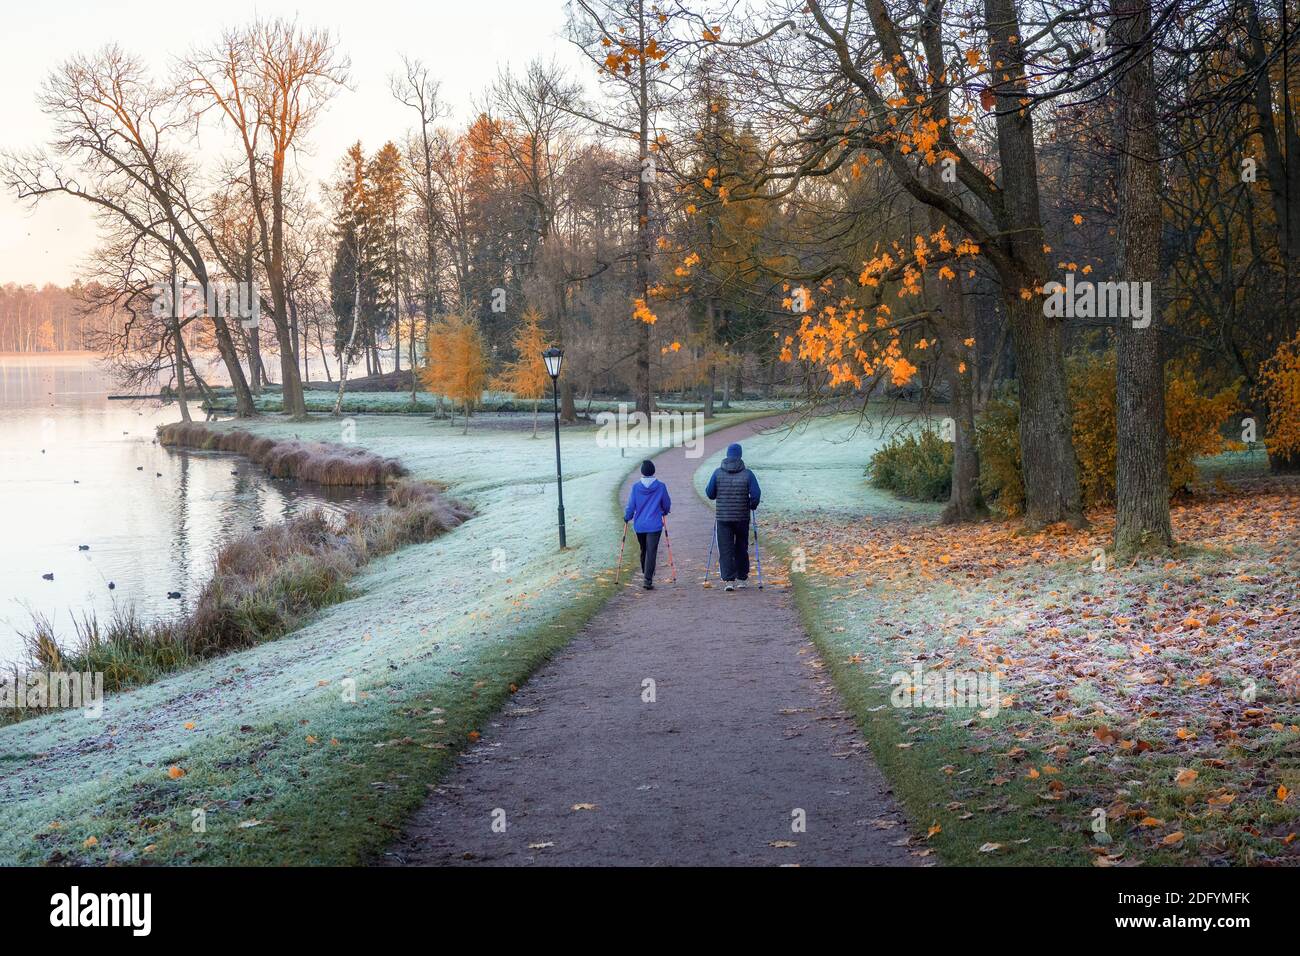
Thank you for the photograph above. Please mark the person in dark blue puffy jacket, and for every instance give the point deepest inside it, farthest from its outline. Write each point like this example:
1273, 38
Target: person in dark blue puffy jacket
736, 491
646, 507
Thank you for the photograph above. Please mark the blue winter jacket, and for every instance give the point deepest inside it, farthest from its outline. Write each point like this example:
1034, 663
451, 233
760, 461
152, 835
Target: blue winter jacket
646, 507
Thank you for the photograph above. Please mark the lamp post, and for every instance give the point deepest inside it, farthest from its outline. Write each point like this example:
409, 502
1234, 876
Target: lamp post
553, 358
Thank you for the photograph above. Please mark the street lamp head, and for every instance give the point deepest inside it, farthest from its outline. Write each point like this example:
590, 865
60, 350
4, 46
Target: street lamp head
553, 357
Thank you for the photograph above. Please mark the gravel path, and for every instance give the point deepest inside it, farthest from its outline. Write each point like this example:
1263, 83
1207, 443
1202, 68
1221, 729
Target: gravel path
745, 731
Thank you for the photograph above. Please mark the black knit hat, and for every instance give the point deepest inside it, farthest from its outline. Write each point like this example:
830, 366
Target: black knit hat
647, 467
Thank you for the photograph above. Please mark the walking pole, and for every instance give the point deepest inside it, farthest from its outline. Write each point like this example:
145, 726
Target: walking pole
758, 555
669, 542
621, 546
709, 560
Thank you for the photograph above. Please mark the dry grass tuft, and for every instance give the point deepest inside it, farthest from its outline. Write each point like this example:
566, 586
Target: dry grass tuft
323, 463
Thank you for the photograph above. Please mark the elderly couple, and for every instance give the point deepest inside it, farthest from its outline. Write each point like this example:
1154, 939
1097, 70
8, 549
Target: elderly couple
732, 486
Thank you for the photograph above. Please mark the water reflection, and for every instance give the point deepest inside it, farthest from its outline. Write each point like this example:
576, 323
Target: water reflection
77, 469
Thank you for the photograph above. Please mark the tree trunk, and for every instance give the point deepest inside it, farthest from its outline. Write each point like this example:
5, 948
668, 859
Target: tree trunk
352, 337
1141, 470
414, 372
965, 503
179, 349
324, 358
709, 387
712, 377
294, 404
644, 400
1047, 459
1051, 471
244, 407
252, 338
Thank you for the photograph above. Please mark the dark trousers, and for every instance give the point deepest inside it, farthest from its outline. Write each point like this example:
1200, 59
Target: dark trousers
733, 550
649, 541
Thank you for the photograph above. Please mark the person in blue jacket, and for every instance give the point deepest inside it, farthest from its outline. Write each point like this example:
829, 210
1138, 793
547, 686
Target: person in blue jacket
646, 507
736, 491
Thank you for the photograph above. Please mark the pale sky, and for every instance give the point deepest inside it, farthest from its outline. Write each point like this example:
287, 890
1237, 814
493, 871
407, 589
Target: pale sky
463, 41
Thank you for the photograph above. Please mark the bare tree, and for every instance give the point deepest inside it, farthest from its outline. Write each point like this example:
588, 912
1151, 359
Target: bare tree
127, 145
269, 82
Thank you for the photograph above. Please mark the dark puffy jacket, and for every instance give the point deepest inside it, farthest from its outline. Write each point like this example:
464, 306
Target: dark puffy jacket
735, 489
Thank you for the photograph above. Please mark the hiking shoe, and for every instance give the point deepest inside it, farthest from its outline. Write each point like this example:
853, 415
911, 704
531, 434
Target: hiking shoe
649, 586
742, 585
729, 587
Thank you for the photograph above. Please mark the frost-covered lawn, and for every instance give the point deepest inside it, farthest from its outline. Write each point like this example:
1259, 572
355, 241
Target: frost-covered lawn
426, 403
816, 466
1149, 702
261, 756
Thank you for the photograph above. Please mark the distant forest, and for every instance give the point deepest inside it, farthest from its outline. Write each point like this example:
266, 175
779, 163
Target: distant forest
50, 319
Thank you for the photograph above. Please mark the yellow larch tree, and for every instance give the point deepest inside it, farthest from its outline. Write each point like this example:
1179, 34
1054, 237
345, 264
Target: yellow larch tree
456, 365
526, 376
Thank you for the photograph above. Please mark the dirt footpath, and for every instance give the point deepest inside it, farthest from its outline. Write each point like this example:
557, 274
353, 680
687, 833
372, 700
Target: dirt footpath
745, 737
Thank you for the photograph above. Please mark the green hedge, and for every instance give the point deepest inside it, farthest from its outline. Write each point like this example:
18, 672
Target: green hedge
915, 465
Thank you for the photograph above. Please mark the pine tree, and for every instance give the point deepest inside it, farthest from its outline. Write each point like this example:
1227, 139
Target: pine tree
352, 292
386, 202
352, 278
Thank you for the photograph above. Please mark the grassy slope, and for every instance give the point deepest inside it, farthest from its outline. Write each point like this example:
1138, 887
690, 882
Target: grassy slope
286, 771
816, 466
989, 781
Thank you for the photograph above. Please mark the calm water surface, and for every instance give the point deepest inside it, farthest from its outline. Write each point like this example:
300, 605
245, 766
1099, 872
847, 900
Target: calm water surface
78, 469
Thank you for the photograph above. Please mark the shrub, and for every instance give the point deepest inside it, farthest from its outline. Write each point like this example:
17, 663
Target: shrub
1090, 378
997, 437
914, 465
1279, 392
1193, 421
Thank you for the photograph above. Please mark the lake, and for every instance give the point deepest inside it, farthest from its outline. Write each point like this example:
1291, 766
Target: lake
77, 468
